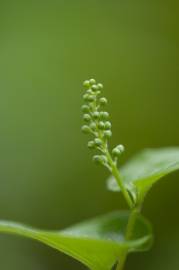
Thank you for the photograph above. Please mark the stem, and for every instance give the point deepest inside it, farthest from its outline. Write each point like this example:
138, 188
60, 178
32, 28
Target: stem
117, 176
128, 236
133, 214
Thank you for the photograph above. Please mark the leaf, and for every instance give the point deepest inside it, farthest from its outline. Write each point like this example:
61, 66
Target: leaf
97, 243
145, 169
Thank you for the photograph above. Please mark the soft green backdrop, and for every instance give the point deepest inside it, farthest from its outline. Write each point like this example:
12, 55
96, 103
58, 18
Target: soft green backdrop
47, 179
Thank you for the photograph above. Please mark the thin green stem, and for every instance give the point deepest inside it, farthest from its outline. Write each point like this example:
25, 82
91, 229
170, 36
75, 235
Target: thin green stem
131, 223
128, 236
117, 176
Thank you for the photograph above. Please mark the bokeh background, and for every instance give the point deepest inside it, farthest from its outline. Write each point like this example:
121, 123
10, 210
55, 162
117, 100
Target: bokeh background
47, 179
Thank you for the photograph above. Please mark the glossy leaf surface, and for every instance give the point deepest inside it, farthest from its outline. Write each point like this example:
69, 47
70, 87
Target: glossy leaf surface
97, 243
145, 169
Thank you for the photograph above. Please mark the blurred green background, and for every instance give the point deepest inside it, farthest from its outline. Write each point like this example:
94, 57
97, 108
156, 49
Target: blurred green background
47, 179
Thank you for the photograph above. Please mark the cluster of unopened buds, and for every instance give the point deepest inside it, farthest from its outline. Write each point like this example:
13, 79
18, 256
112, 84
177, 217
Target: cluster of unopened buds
97, 124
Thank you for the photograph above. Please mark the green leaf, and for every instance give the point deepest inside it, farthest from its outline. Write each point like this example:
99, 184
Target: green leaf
97, 243
145, 169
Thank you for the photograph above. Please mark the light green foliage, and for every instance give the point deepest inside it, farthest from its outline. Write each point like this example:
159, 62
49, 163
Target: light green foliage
105, 242
145, 169
97, 243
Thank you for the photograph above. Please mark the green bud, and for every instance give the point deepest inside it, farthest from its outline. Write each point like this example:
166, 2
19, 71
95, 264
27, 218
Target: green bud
90, 98
100, 86
121, 148
98, 92
101, 125
96, 115
116, 152
93, 126
89, 91
91, 144
85, 97
85, 108
104, 115
108, 125
92, 81
85, 129
99, 159
87, 117
94, 87
86, 83
103, 101
107, 133
98, 141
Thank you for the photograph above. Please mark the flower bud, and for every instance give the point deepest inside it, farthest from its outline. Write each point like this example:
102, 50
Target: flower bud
93, 126
108, 125
85, 108
85, 97
86, 83
87, 117
91, 144
90, 98
92, 81
104, 115
89, 91
100, 86
121, 148
94, 87
96, 115
103, 101
107, 133
99, 159
98, 141
116, 152
101, 125
85, 129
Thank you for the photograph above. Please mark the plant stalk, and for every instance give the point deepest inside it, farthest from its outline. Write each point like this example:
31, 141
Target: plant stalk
117, 176
128, 235
133, 214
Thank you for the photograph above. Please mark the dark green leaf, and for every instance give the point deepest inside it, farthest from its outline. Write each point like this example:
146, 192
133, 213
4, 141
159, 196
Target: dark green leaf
97, 243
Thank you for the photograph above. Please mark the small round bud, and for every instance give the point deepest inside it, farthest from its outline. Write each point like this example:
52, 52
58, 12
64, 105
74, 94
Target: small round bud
96, 159
108, 125
85, 97
89, 91
98, 93
85, 108
93, 126
107, 133
91, 144
90, 98
103, 101
94, 87
101, 125
99, 159
116, 152
104, 115
100, 86
86, 83
98, 141
96, 115
92, 81
85, 129
121, 148
87, 117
